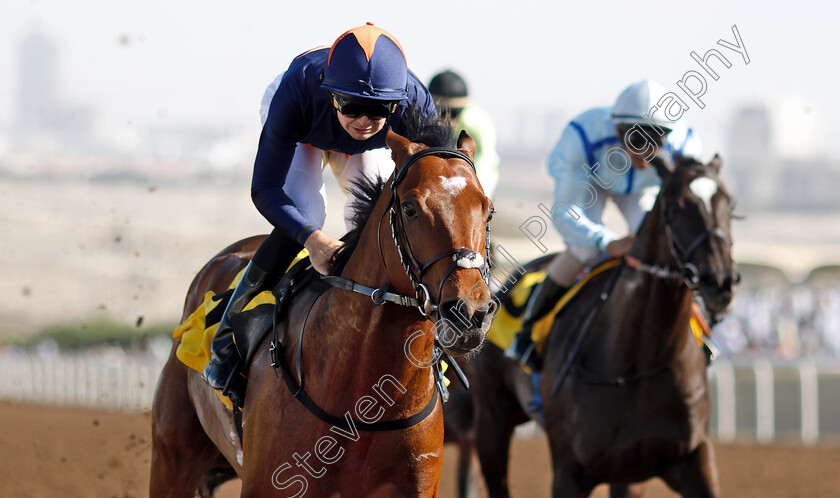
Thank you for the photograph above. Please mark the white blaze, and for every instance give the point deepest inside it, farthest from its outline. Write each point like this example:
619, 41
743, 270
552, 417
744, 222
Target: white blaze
704, 188
454, 185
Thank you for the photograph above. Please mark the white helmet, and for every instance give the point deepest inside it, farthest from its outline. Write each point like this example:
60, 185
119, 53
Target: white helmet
635, 102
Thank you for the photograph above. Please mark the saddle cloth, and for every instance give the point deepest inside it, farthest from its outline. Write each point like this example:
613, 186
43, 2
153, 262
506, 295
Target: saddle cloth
196, 333
509, 320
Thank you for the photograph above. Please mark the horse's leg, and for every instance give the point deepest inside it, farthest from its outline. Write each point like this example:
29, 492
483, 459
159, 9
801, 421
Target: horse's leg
569, 482
468, 469
493, 447
696, 474
212, 479
181, 451
497, 413
636, 490
458, 415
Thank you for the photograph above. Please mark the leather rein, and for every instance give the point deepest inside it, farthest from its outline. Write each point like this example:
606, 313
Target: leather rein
422, 301
685, 273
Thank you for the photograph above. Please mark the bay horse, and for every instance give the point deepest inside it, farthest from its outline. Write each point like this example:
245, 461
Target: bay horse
365, 363
624, 387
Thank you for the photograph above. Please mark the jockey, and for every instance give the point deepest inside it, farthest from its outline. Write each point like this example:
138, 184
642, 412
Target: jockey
331, 106
603, 153
450, 93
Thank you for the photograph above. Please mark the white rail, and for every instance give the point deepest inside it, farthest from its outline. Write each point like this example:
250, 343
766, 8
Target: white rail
759, 401
127, 385
750, 396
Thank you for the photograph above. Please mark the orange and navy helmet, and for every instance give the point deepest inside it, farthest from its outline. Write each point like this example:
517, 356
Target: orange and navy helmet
367, 63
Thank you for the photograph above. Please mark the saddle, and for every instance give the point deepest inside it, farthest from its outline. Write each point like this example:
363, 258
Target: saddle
509, 320
257, 319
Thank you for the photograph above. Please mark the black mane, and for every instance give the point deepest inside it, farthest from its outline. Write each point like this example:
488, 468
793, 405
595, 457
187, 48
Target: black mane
687, 162
429, 132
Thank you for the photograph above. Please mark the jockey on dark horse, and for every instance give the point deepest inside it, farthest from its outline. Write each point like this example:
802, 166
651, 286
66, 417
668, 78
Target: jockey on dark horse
331, 106
588, 170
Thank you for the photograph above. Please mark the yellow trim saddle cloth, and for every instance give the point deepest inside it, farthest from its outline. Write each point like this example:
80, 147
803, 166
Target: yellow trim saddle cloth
506, 325
196, 333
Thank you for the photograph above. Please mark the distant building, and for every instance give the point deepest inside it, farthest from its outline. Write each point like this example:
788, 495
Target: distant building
754, 163
37, 81
776, 161
44, 120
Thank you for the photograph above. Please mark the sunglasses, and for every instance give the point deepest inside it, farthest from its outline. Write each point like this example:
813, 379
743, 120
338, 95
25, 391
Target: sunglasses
639, 138
370, 108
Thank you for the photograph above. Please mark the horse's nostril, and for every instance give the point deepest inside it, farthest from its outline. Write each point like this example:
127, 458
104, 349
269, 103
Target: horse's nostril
478, 319
461, 315
731, 280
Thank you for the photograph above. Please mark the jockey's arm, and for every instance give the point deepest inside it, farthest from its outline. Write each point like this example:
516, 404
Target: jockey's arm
565, 164
271, 167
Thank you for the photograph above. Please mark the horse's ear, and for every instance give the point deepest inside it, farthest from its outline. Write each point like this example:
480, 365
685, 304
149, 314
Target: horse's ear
663, 168
716, 163
466, 144
401, 147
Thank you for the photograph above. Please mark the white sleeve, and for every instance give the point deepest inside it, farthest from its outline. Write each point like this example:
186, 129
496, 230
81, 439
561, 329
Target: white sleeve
565, 164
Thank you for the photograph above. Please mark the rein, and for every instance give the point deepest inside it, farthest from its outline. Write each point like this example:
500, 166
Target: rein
423, 299
380, 295
347, 422
685, 273
682, 253
407, 259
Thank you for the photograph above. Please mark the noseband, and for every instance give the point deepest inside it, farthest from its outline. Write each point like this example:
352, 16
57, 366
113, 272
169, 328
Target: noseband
407, 259
464, 257
413, 267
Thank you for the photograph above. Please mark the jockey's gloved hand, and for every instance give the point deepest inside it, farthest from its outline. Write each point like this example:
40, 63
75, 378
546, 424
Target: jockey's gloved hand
621, 247
321, 249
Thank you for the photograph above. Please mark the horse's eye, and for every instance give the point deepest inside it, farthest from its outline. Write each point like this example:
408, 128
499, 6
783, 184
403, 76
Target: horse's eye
409, 210
490, 217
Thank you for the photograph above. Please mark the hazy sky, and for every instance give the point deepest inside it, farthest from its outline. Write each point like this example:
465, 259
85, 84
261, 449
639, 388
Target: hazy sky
205, 61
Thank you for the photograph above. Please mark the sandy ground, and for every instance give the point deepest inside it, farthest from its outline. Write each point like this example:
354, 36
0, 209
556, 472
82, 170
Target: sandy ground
50, 451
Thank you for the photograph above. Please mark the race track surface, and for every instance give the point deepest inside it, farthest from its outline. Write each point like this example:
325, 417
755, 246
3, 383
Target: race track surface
54, 451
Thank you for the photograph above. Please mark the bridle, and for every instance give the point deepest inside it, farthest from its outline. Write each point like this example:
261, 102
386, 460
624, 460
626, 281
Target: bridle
415, 270
685, 271
413, 267
407, 258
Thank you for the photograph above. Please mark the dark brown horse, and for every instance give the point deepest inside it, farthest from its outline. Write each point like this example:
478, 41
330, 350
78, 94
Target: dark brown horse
624, 383
363, 363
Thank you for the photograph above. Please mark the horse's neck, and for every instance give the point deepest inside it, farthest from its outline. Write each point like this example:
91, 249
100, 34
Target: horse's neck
664, 305
367, 341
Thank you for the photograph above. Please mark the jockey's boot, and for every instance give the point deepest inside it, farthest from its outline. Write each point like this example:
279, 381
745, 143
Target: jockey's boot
543, 300
222, 372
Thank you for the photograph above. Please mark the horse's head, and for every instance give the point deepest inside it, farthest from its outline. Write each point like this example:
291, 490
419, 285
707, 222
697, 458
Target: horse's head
696, 213
439, 219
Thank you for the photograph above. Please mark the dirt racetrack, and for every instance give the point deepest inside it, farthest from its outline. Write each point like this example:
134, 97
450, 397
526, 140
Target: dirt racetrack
52, 451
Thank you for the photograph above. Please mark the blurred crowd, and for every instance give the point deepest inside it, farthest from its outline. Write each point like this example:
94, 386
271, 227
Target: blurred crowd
782, 322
